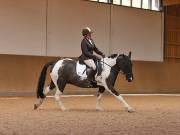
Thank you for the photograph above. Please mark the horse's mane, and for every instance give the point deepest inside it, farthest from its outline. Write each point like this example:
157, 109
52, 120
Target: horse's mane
113, 56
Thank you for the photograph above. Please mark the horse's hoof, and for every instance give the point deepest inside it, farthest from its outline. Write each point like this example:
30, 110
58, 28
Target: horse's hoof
35, 106
99, 109
63, 109
131, 110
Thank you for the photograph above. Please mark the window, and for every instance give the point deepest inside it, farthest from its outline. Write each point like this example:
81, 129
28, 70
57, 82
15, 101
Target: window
144, 4
155, 5
117, 2
136, 3
126, 2
105, 1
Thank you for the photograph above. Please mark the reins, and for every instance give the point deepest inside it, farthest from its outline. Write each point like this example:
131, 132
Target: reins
108, 65
112, 67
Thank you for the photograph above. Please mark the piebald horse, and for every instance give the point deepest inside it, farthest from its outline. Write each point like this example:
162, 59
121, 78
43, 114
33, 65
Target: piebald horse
64, 71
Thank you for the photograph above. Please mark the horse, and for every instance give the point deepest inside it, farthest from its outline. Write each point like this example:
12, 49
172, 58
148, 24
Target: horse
64, 72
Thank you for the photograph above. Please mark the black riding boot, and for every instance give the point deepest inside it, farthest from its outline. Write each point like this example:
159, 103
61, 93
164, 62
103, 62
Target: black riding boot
91, 76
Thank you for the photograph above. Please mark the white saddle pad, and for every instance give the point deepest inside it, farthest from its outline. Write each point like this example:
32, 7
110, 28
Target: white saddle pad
81, 69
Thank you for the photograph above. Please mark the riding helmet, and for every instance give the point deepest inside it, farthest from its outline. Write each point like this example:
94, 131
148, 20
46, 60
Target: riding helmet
86, 31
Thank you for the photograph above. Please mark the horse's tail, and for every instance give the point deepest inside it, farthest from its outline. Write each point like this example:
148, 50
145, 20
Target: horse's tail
42, 79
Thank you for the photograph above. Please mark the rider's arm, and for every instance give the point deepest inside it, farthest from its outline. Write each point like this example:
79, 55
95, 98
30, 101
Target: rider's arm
97, 50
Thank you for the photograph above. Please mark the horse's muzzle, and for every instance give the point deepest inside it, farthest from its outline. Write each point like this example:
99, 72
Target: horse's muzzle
129, 78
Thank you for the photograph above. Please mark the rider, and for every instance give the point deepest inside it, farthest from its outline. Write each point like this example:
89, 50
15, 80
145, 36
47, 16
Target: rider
87, 47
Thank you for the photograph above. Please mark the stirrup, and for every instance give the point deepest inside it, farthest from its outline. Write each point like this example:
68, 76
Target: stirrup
93, 82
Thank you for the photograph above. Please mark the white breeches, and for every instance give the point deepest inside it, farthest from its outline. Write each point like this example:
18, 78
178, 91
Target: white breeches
90, 63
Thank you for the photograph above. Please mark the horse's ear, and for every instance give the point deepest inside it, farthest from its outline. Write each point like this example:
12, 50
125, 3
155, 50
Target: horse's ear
121, 56
129, 55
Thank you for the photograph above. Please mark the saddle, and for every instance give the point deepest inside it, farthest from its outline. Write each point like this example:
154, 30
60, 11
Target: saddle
84, 69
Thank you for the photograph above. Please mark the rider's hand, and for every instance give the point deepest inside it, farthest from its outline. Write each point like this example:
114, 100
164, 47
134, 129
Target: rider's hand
98, 58
103, 55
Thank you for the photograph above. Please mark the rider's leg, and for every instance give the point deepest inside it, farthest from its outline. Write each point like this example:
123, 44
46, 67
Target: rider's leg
92, 65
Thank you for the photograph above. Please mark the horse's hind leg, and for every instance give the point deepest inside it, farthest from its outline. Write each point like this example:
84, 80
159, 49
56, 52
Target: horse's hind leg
46, 90
99, 96
40, 101
60, 88
49, 88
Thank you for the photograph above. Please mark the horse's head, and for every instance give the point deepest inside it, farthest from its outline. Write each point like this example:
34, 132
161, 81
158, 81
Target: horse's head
125, 66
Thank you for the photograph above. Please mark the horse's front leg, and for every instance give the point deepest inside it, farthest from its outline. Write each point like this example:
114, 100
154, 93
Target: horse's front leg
112, 90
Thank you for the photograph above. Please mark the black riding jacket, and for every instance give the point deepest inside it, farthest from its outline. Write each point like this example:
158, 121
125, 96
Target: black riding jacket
87, 48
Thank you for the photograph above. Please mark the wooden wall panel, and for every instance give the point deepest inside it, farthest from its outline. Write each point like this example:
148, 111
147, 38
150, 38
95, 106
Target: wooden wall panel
178, 37
19, 76
172, 29
171, 2
171, 10
170, 51
172, 37
178, 23
171, 22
